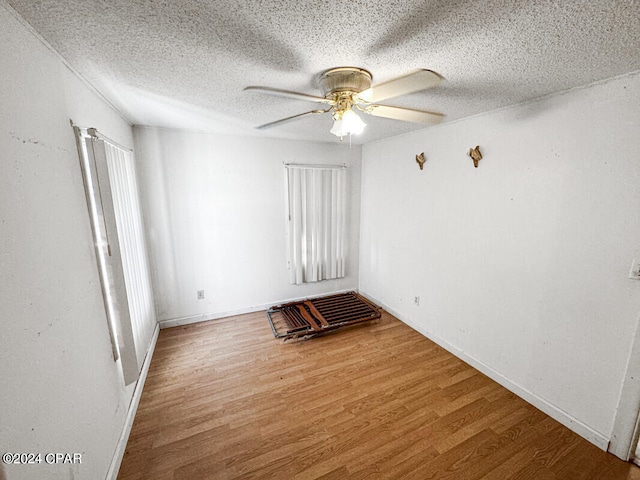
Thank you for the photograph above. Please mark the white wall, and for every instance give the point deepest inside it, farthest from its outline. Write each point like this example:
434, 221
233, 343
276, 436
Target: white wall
61, 390
215, 211
521, 264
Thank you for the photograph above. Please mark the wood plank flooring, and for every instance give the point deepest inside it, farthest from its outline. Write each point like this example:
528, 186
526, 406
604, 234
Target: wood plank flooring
372, 401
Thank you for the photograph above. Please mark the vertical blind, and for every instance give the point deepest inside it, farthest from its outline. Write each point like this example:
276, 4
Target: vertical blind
133, 249
116, 220
316, 211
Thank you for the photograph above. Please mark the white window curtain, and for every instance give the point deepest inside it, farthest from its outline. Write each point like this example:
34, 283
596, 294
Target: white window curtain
116, 220
316, 211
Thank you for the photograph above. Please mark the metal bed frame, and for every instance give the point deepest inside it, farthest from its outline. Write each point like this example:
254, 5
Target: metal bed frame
315, 316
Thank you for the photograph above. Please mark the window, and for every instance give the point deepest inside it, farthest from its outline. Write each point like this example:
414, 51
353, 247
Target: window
316, 211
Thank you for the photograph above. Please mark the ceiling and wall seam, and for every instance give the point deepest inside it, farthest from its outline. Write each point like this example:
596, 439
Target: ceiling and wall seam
62, 59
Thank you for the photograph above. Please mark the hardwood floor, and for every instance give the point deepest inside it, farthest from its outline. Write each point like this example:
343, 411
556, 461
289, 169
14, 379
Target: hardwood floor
373, 401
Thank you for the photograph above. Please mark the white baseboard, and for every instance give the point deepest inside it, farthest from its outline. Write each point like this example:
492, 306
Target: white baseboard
598, 439
112, 474
175, 322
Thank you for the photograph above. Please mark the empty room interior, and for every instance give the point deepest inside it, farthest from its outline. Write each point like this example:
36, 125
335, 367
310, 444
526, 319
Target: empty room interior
186, 187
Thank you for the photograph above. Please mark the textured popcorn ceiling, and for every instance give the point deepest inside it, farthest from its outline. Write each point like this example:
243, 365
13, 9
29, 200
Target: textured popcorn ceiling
183, 64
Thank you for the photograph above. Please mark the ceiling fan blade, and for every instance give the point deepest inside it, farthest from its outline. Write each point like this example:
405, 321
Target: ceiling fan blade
289, 94
414, 82
406, 114
289, 119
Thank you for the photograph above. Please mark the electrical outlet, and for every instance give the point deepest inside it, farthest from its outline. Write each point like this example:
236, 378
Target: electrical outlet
200, 294
634, 273
416, 300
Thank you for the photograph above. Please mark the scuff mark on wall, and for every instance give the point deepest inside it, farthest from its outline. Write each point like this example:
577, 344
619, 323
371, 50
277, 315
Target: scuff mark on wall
31, 141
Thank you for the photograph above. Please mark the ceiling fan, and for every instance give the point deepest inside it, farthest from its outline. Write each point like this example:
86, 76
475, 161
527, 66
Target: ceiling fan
347, 89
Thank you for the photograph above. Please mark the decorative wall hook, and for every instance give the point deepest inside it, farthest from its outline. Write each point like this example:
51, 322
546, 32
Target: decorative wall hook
421, 159
475, 154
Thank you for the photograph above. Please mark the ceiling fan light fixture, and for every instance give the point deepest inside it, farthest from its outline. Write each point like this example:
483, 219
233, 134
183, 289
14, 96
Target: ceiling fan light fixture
352, 122
347, 122
337, 128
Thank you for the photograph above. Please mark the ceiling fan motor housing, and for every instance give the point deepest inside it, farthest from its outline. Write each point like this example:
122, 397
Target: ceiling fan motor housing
344, 79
